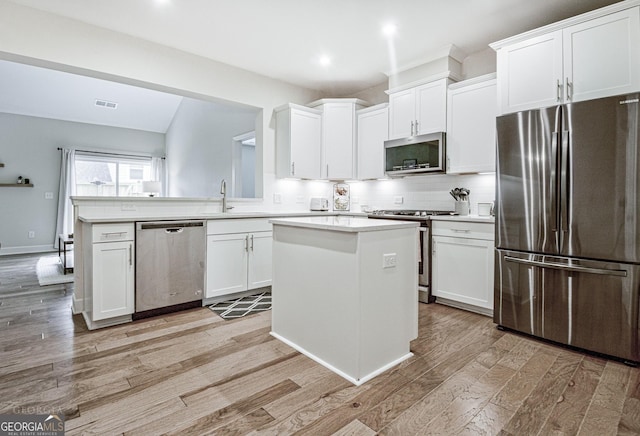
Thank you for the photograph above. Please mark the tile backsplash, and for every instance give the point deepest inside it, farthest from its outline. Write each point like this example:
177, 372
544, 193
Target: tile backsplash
413, 192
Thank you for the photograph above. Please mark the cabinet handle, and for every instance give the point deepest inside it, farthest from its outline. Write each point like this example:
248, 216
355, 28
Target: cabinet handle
110, 234
416, 127
327, 171
558, 90
130, 254
569, 90
411, 128
293, 168
251, 242
246, 243
461, 230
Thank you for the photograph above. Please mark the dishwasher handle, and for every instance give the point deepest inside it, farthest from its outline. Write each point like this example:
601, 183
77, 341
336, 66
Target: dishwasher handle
169, 226
174, 230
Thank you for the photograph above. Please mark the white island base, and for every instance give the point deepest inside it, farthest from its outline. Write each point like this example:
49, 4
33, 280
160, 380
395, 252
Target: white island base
338, 295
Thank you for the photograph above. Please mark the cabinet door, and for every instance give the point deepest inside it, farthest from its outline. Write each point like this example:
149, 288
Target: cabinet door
259, 273
471, 128
601, 56
530, 73
226, 264
431, 107
113, 280
338, 140
463, 270
373, 130
401, 113
306, 136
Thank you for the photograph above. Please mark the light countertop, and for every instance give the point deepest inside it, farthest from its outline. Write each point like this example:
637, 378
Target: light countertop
210, 216
344, 223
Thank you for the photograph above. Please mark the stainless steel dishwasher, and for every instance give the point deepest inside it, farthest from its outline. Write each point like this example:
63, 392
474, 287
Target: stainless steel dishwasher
170, 263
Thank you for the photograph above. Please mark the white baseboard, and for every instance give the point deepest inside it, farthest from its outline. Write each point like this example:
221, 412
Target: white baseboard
27, 249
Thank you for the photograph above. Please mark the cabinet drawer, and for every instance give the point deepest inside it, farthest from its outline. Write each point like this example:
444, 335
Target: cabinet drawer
463, 229
112, 232
238, 225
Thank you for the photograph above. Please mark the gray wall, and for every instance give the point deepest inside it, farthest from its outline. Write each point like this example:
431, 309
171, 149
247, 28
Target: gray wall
199, 146
28, 148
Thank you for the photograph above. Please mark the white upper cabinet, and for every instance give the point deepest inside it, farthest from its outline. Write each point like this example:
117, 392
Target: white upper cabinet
418, 110
338, 137
590, 56
373, 130
298, 141
602, 56
471, 125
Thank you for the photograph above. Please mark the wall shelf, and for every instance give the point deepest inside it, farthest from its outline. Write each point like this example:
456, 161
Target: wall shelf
16, 185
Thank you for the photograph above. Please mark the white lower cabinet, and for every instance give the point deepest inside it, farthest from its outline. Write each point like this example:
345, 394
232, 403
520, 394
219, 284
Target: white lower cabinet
238, 256
109, 274
462, 264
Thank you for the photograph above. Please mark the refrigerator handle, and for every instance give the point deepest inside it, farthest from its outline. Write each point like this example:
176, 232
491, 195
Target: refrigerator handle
570, 268
554, 181
564, 185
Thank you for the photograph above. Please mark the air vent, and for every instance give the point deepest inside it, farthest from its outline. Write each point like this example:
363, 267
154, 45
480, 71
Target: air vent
107, 104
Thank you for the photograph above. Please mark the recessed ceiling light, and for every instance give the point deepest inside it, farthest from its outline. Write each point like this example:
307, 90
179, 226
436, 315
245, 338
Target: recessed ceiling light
389, 29
162, 2
324, 60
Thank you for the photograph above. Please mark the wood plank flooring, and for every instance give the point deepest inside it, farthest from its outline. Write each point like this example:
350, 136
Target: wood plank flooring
192, 373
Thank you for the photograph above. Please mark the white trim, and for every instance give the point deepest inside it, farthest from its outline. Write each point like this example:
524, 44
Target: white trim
616, 7
92, 325
338, 100
473, 81
372, 108
464, 306
356, 382
77, 304
443, 75
27, 249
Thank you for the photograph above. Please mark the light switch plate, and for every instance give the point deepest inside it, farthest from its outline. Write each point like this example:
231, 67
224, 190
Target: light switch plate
277, 198
128, 206
48, 195
398, 199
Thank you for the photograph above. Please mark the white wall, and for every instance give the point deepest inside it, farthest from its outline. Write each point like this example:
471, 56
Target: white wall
28, 148
199, 146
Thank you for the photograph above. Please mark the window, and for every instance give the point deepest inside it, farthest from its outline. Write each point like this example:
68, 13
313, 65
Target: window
110, 175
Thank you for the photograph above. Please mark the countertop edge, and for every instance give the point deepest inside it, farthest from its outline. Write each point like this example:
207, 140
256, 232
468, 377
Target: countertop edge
465, 218
373, 226
212, 216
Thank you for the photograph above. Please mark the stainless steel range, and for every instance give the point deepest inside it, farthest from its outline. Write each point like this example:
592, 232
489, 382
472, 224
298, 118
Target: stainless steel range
424, 262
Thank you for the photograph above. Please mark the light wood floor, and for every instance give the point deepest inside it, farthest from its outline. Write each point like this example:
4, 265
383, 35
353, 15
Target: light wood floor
194, 373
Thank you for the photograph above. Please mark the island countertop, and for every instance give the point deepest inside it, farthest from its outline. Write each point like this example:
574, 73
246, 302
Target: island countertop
344, 223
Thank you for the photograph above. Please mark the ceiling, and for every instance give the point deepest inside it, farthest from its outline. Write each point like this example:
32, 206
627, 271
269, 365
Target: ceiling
284, 39
40, 92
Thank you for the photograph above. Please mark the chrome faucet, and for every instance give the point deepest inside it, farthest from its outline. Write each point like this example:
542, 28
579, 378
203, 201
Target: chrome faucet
223, 191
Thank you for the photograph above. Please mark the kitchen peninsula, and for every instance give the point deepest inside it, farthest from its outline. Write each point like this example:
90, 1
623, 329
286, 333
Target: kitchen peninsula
344, 291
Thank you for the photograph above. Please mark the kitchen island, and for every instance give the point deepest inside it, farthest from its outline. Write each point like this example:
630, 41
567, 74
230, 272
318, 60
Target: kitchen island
345, 291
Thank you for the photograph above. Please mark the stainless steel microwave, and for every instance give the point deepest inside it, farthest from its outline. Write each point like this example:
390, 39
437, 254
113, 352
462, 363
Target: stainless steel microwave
415, 155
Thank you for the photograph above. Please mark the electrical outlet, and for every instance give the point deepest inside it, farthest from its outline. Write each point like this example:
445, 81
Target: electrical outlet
398, 199
355, 200
300, 199
128, 206
389, 260
32, 234
277, 198
48, 195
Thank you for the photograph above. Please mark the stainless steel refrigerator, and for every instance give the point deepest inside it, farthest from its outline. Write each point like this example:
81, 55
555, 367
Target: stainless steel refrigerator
567, 224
